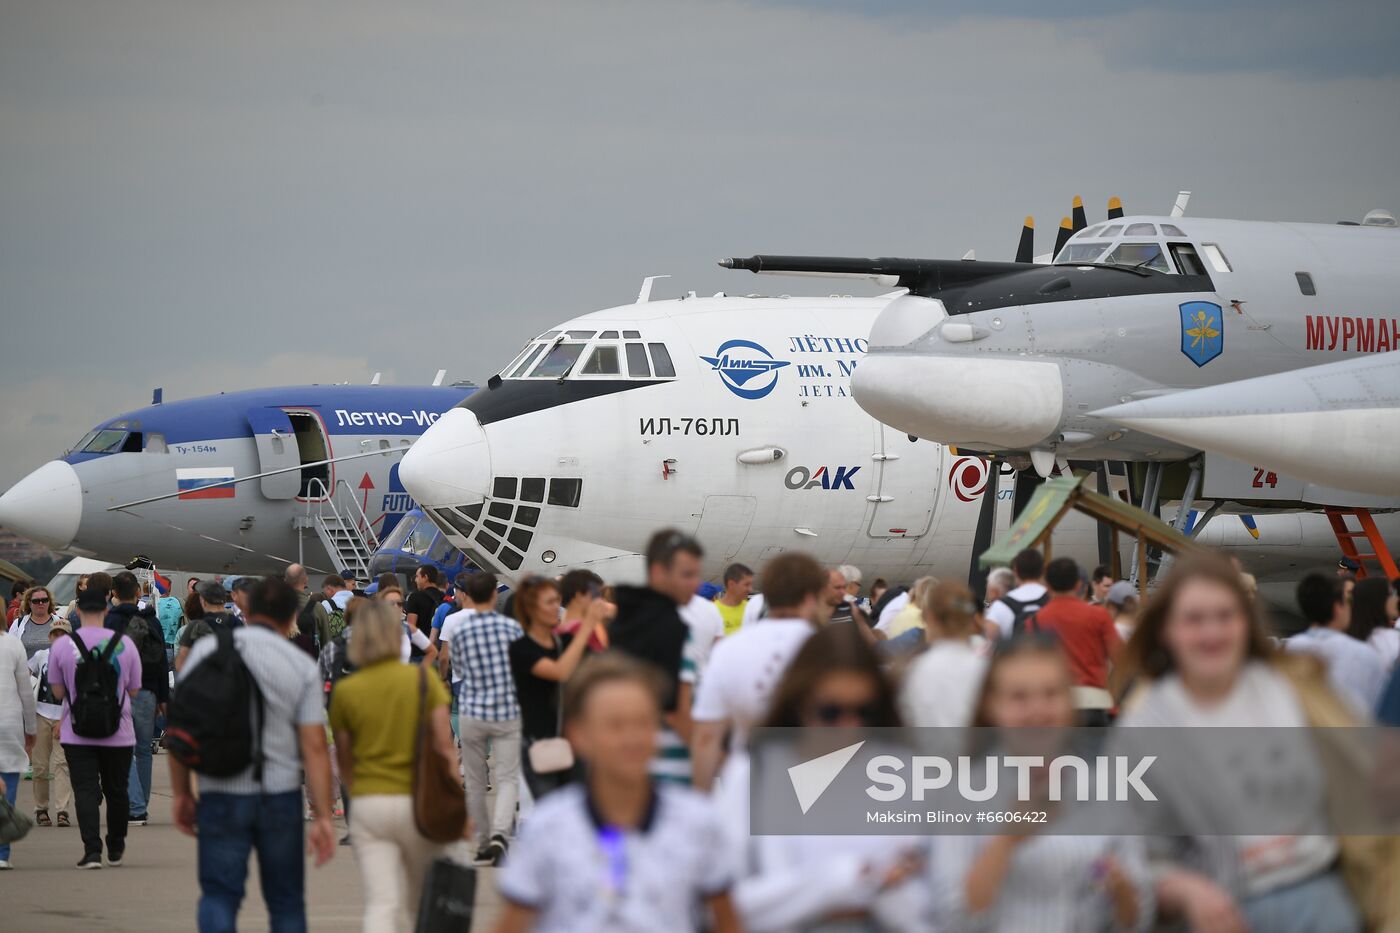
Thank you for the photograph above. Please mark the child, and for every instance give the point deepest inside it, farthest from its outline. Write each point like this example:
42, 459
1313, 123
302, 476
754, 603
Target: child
617, 852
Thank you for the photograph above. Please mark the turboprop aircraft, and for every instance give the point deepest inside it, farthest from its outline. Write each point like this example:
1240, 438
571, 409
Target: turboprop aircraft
1129, 310
240, 482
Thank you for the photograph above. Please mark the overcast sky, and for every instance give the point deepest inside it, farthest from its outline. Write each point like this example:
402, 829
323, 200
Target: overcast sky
214, 196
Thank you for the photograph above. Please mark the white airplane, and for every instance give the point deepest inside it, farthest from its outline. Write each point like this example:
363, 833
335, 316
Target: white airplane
728, 417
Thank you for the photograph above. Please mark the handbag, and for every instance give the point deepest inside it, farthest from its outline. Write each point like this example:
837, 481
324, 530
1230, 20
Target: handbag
449, 894
550, 756
439, 799
14, 825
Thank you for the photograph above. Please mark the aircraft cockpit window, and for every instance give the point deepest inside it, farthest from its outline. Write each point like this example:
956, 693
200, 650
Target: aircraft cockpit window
1187, 259
532, 489
548, 335
1139, 256
558, 361
631, 335
1081, 252
603, 362
155, 444
1218, 262
1305, 283
565, 492
503, 488
105, 441
637, 365
661, 361
581, 334
1140, 230
608, 335
1089, 232
524, 365
440, 549
1111, 230
1171, 230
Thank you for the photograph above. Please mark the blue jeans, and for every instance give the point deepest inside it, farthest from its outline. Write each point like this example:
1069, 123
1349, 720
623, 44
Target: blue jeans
232, 825
143, 720
11, 779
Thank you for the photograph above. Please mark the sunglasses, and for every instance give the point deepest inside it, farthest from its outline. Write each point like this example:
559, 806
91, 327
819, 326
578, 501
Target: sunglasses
828, 714
38, 599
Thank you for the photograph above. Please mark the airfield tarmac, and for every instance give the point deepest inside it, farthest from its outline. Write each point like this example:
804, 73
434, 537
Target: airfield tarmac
156, 888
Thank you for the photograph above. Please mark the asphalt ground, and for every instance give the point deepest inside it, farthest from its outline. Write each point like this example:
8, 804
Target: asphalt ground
156, 887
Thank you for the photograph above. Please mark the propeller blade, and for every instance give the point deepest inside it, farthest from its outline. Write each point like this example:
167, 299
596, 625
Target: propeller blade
1066, 231
1077, 211
986, 524
1115, 208
1025, 250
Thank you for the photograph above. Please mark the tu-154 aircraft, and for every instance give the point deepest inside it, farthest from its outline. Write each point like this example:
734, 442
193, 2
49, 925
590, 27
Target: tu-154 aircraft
242, 482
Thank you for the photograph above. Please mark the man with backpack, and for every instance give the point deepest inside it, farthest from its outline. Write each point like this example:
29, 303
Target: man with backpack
213, 598
247, 715
1008, 615
95, 673
139, 623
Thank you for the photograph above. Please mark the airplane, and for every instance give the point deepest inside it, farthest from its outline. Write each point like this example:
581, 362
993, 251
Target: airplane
1297, 421
240, 482
730, 418
1129, 310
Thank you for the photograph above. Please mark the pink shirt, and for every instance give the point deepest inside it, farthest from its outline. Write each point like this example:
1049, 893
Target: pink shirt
63, 662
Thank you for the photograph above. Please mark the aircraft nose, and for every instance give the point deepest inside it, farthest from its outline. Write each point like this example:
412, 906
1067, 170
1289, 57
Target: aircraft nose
980, 403
46, 506
450, 464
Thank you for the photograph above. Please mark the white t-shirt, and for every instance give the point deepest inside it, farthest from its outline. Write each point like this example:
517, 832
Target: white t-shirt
892, 609
706, 625
942, 684
450, 625
744, 669
581, 878
753, 612
412, 638
39, 667
1386, 643
1002, 614
1354, 668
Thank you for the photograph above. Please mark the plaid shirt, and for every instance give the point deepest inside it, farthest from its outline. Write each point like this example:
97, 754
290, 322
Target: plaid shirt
481, 658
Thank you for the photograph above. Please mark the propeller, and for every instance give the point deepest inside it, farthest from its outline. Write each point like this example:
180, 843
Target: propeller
1069, 226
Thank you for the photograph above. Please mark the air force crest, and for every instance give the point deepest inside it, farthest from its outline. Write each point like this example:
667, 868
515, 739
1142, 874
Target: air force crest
1202, 331
746, 368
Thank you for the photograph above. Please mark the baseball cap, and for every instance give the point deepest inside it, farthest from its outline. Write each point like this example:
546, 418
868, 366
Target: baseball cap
92, 599
60, 625
1348, 563
372, 588
243, 583
1120, 592
212, 591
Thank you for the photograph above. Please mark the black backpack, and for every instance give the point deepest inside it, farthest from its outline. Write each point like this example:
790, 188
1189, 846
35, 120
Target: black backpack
142, 630
1024, 612
339, 666
306, 623
95, 708
211, 725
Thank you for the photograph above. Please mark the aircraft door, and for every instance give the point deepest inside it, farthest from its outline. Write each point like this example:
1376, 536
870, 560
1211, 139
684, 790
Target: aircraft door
903, 497
277, 450
724, 523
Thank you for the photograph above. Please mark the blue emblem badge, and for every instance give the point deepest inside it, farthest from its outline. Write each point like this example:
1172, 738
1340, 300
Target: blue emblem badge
1202, 331
746, 368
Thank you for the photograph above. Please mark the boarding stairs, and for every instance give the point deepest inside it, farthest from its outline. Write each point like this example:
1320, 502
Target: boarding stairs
1347, 539
342, 525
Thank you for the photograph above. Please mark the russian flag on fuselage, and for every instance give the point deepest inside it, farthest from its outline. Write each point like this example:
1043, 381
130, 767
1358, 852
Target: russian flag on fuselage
191, 479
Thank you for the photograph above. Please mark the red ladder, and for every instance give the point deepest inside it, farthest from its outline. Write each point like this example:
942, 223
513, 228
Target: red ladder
1346, 539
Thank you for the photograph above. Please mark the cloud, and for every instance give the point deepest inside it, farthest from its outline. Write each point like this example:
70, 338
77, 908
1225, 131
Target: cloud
219, 196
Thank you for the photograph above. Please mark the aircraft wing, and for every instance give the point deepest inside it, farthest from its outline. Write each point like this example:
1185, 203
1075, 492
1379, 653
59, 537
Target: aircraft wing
1297, 422
924, 277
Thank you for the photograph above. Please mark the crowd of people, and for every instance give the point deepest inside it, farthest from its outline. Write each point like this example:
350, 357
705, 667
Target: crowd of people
603, 731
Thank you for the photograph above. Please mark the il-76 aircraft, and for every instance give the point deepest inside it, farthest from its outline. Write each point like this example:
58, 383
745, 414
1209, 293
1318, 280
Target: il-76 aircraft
728, 417
242, 482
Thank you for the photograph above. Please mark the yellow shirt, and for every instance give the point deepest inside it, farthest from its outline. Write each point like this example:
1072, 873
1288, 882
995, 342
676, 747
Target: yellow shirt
378, 706
733, 616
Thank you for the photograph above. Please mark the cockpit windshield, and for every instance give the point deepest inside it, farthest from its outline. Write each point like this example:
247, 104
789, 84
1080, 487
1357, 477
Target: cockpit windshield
1139, 256
1133, 254
558, 361
116, 438
584, 354
1081, 252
